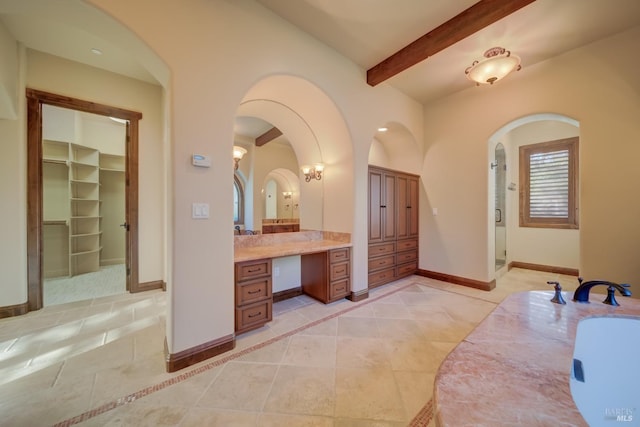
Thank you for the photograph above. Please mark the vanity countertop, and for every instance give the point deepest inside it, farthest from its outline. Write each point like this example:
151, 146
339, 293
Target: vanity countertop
514, 368
248, 248
286, 249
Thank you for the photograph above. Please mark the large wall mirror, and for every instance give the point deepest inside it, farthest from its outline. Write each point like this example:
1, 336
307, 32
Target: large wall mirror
272, 189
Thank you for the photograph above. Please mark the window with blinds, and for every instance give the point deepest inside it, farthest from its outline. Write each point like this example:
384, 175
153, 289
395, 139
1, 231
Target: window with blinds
548, 184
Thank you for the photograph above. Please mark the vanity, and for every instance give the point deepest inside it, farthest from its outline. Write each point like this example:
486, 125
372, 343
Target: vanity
515, 367
325, 271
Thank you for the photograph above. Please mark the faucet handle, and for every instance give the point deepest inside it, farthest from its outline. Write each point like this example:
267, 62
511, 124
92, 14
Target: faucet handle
557, 297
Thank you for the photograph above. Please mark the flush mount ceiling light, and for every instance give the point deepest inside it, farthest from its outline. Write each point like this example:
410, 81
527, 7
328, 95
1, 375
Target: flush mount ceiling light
238, 153
497, 63
382, 129
96, 51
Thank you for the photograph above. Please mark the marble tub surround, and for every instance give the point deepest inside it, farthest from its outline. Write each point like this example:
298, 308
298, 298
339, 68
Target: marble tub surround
247, 248
514, 367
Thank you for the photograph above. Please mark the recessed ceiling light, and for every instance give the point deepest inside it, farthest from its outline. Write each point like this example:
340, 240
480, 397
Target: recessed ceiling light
96, 51
383, 129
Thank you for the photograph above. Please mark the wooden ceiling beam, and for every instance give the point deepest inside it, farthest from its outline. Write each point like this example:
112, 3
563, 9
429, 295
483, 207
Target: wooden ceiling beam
269, 135
473, 19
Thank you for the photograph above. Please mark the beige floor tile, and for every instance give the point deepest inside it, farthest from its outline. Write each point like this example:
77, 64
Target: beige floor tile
240, 386
114, 383
351, 422
302, 390
186, 393
272, 353
363, 327
417, 355
139, 415
307, 350
327, 328
391, 311
416, 388
285, 420
368, 394
211, 417
371, 366
361, 353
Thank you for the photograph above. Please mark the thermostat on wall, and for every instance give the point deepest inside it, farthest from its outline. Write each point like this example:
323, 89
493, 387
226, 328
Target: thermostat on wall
201, 160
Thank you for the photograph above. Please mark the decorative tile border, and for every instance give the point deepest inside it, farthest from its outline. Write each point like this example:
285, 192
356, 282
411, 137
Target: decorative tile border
426, 413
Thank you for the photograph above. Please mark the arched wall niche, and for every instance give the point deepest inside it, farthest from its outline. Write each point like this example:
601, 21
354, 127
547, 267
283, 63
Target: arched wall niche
317, 132
565, 247
396, 148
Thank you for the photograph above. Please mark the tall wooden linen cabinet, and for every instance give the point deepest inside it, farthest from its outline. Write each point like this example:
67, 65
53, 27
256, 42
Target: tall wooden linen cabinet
393, 225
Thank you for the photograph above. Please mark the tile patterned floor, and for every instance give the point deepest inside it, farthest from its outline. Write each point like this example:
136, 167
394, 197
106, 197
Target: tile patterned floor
100, 362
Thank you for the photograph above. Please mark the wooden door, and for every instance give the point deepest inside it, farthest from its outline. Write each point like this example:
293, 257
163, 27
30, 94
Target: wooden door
375, 203
413, 189
389, 214
402, 184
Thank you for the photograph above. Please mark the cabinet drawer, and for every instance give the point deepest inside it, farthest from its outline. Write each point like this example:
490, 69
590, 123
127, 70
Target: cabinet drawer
337, 255
382, 262
253, 316
339, 289
405, 245
253, 290
381, 249
407, 269
339, 271
252, 269
403, 257
382, 276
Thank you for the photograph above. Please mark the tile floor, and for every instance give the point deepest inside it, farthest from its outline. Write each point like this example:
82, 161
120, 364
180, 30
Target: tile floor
101, 362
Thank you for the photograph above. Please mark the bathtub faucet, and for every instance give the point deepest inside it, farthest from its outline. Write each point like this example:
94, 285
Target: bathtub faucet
582, 292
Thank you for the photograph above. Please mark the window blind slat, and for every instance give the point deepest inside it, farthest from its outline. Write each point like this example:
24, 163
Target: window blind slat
548, 184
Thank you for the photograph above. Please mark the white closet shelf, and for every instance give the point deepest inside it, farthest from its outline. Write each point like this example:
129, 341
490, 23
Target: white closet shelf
86, 235
77, 181
111, 170
86, 217
55, 161
86, 252
55, 222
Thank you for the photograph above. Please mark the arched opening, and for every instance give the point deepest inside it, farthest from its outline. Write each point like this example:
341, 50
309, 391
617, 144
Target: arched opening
545, 248
316, 132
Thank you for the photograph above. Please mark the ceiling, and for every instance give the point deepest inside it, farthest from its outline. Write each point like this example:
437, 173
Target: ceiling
364, 31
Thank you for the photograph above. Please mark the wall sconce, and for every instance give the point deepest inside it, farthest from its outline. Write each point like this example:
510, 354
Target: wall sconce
287, 194
312, 172
497, 63
238, 153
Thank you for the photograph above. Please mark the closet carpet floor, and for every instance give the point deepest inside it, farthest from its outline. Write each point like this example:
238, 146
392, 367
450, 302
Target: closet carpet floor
110, 280
101, 362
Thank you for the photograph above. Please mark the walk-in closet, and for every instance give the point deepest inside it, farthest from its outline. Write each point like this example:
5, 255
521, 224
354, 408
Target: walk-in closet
83, 172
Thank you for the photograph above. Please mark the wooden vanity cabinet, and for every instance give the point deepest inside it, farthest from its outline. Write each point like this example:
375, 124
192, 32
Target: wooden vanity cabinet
393, 225
253, 294
326, 275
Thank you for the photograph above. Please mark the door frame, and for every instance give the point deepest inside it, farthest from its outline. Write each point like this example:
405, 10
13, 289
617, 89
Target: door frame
35, 100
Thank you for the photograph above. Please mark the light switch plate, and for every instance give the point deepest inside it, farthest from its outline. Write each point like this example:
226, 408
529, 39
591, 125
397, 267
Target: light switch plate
200, 210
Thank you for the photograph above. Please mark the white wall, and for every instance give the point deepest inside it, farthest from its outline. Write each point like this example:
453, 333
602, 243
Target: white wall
13, 182
546, 246
202, 257
597, 86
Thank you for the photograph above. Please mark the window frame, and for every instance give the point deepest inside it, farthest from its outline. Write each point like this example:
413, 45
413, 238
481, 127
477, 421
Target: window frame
526, 151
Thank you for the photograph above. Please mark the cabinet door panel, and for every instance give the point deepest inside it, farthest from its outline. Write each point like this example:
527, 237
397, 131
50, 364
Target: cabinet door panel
403, 206
414, 191
375, 203
389, 207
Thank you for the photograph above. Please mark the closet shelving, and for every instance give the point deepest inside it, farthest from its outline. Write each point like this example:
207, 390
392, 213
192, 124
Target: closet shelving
78, 208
